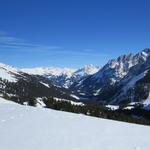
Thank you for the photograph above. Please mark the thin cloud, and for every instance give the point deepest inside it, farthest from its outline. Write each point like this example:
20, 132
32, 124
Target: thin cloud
10, 43
80, 52
16, 43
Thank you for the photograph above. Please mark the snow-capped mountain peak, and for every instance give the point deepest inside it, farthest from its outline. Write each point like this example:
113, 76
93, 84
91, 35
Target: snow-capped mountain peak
87, 70
55, 71
117, 74
62, 77
120, 67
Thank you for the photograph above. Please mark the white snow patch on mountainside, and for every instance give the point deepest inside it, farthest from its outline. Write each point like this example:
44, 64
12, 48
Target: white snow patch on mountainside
28, 128
45, 84
74, 96
135, 79
112, 107
5, 75
7, 72
86, 70
72, 102
147, 103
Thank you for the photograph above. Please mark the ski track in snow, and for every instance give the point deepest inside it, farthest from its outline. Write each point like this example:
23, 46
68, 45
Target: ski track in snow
29, 128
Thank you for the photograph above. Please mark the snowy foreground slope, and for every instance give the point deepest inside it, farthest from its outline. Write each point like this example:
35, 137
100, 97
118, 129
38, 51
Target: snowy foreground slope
27, 128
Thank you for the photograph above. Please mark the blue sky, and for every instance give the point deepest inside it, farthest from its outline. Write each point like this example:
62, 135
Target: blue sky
71, 33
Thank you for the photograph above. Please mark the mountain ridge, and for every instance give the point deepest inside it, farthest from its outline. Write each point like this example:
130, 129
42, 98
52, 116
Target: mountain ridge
120, 80
62, 77
110, 79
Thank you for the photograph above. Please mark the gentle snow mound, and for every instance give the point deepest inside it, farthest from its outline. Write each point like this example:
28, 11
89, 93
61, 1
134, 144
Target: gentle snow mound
28, 128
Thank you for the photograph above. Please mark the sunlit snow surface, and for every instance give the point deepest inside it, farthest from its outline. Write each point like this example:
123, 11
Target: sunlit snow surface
28, 128
6, 72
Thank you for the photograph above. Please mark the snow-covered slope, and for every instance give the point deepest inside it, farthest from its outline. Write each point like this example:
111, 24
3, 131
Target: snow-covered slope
27, 128
16, 84
86, 70
8, 73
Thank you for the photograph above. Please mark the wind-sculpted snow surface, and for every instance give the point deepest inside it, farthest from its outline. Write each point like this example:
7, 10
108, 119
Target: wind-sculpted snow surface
28, 128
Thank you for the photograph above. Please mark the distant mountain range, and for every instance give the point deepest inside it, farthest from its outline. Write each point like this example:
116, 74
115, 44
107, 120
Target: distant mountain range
62, 77
22, 85
123, 80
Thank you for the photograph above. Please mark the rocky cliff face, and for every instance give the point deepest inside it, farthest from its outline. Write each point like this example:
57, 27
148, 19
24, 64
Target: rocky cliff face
114, 82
